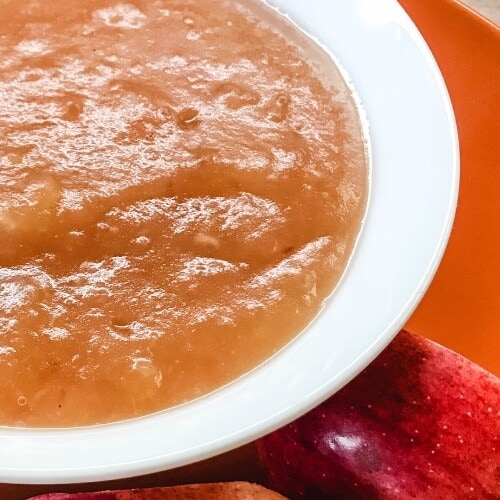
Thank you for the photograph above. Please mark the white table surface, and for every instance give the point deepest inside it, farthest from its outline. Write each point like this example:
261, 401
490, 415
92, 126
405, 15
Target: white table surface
489, 8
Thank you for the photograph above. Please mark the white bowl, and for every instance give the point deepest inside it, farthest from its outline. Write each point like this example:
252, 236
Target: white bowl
414, 192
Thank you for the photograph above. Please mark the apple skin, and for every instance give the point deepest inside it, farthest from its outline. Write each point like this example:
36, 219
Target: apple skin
420, 422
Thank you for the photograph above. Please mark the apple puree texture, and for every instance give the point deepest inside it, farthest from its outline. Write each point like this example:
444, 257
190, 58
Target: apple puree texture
179, 193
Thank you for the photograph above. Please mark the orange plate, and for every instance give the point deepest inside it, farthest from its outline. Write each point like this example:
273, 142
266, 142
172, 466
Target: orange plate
462, 308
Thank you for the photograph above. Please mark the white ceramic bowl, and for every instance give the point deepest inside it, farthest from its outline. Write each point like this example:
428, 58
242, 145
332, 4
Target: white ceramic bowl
414, 192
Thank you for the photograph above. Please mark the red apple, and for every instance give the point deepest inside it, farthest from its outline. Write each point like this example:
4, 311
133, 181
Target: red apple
420, 422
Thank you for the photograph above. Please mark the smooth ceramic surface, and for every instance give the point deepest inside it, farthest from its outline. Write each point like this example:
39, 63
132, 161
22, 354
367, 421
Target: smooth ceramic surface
461, 309
414, 190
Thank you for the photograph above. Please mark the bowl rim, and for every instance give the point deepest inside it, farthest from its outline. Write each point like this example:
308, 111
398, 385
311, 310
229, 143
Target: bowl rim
83, 454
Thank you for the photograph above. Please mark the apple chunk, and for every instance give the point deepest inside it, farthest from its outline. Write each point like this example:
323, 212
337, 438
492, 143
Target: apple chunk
419, 422
237, 490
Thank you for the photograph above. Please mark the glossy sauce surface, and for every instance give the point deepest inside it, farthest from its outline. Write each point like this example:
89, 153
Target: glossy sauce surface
180, 190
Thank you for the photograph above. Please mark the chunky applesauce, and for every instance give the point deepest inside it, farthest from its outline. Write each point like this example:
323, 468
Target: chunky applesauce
181, 186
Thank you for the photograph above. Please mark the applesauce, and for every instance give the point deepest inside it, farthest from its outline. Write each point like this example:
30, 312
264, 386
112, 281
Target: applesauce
182, 183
